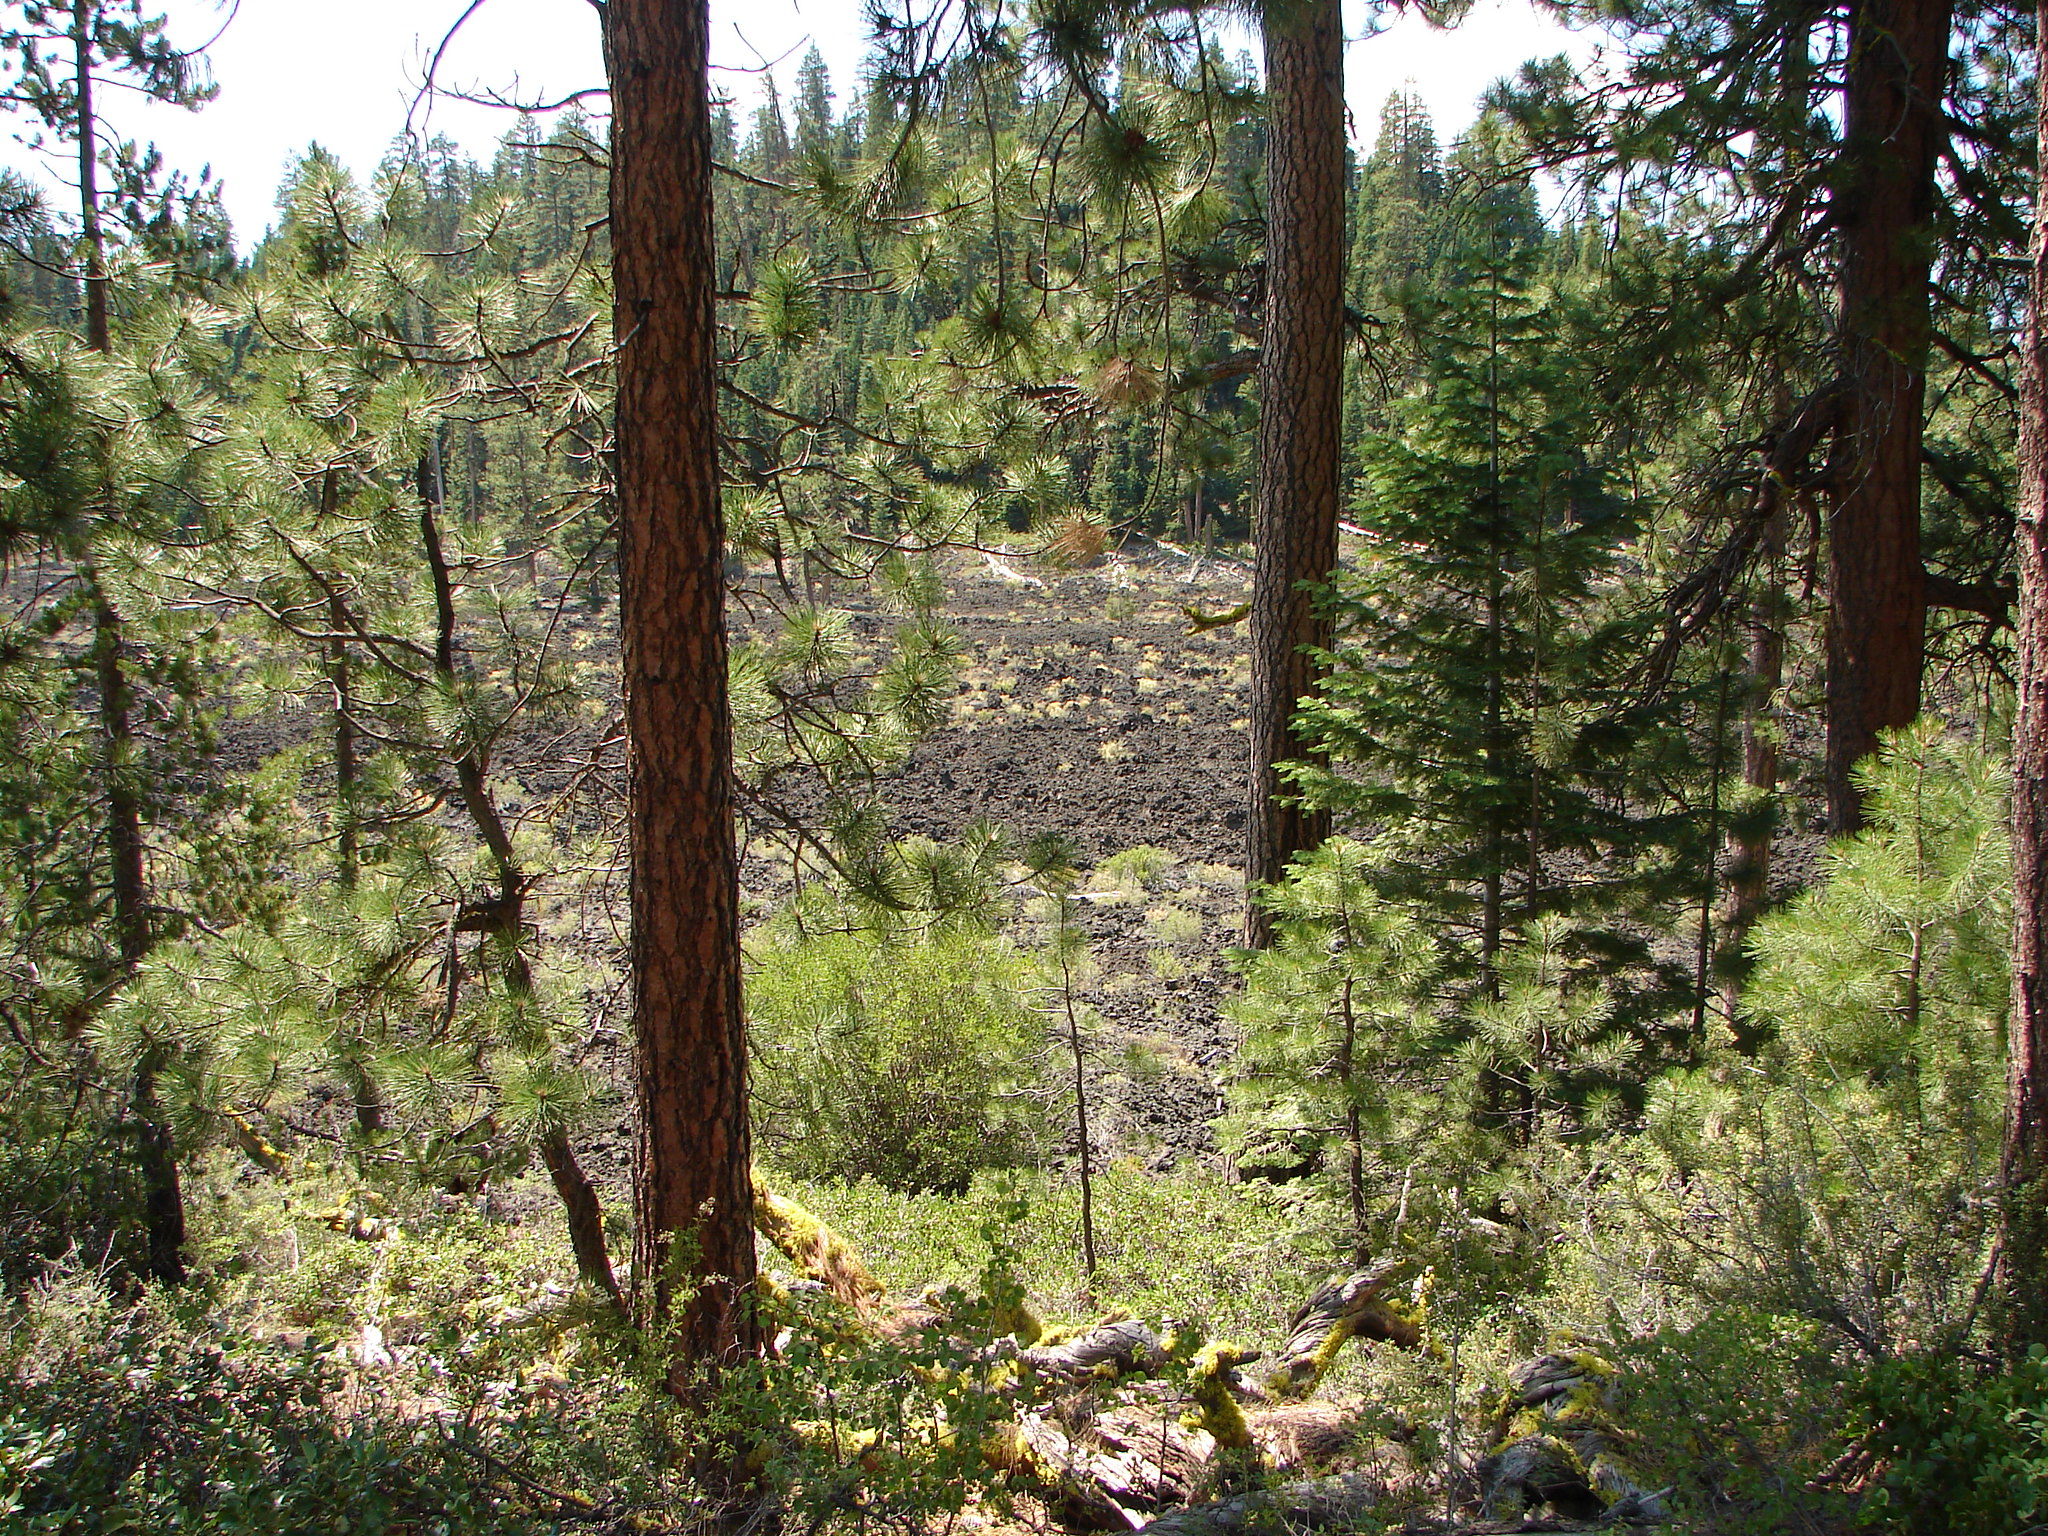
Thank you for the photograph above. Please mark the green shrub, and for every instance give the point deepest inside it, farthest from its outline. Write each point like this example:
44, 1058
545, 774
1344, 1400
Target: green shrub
1739, 1414
901, 1058
127, 1419
1959, 1453
1175, 1245
1134, 871
1849, 1164
68, 1184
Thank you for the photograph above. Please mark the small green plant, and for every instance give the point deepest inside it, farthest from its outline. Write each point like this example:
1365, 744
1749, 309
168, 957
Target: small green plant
1066, 965
1332, 999
902, 1058
1135, 871
1175, 926
1852, 1158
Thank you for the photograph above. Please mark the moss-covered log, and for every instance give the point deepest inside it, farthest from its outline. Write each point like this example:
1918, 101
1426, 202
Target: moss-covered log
1085, 1488
1353, 1306
1558, 1444
1116, 1346
817, 1251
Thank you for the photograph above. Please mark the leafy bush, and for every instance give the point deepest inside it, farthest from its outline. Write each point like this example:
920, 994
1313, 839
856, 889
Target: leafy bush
131, 1420
905, 1058
67, 1184
1172, 1245
1961, 1453
1739, 1414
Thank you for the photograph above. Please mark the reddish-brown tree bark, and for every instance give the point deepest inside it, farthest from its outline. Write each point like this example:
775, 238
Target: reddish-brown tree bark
693, 1200
1300, 416
1893, 132
2024, 1166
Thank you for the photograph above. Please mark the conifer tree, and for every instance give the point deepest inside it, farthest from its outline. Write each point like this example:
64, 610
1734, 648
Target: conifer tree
693, 1197
2023, 1164
1301, 376
1478, 711
58, 55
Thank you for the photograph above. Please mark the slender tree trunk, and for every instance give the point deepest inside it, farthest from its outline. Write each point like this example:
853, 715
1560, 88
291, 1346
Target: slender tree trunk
693, 1196
347, 852
1892, 137
1703, 949
1300, 418
1354, 1128
1750, 834
163, 1192
1081, 1125
157, 1153
97, 335
340, 677
2024, 1165
586, 1216
505, 912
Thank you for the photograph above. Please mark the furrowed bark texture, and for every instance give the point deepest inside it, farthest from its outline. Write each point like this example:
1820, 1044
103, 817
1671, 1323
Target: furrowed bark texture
2024, 1165
1300, 415
694, 1246
1884, 205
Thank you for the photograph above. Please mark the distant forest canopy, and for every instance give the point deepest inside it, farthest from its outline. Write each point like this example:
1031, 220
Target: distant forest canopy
1417, 213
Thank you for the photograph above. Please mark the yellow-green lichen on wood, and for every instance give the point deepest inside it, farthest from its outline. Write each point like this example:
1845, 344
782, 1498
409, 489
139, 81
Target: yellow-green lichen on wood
1216, 1407
822, 1254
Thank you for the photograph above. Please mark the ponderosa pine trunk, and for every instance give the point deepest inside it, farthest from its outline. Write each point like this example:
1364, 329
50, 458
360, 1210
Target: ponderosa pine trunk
2024, 1165
693, 1197
1893, 132
1300, 418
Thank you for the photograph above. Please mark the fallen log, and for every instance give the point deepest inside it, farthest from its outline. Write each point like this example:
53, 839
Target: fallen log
1079, 1485
1341, 1309
1117, 1346
1296, 1437
1559, 1445
817, 1251
1311, 1505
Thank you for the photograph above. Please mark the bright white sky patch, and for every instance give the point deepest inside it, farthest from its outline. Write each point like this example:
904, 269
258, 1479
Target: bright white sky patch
346, 75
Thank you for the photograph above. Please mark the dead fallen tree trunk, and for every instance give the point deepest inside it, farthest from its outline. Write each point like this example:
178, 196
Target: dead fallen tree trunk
1108, 1433
1103, 1481
817, 1251
1312, 1505
1117, 1346
1341, 1309
1559, 1446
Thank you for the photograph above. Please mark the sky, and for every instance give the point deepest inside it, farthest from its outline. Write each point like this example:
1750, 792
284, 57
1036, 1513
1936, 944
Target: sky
292, 72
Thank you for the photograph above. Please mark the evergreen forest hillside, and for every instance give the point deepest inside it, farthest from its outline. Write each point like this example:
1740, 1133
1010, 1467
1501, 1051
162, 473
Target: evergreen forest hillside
1033, 793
